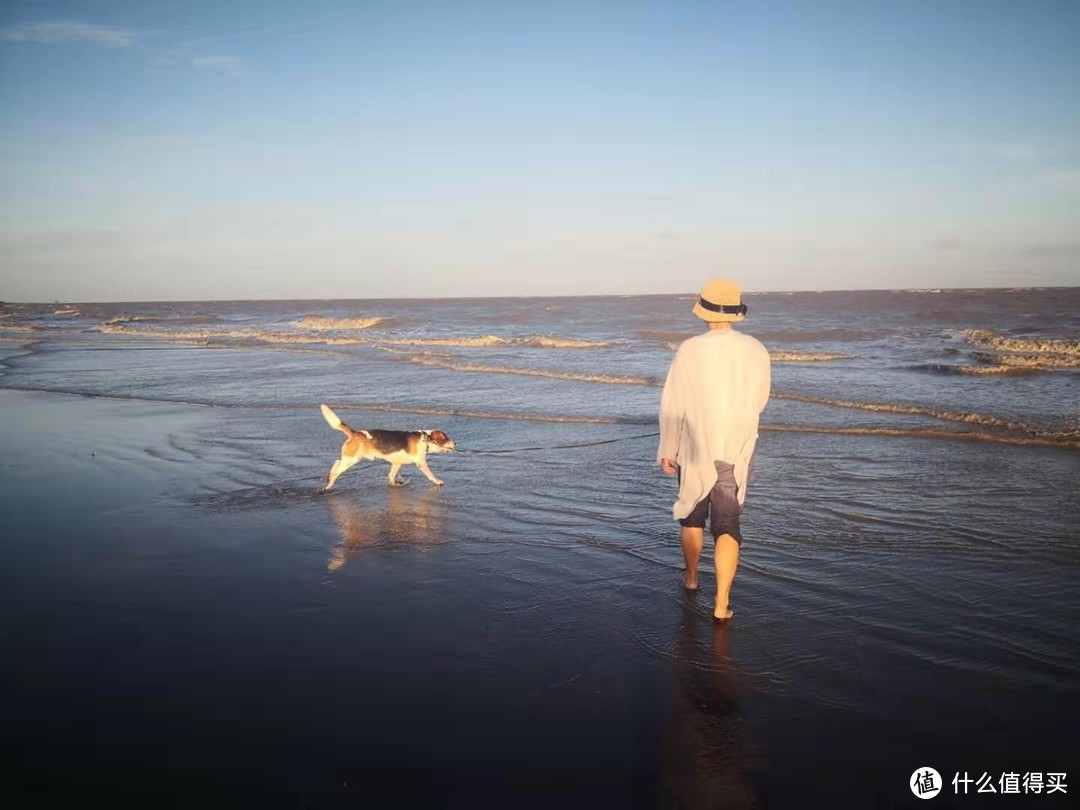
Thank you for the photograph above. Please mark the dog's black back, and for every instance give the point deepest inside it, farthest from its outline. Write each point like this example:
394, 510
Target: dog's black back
391, 441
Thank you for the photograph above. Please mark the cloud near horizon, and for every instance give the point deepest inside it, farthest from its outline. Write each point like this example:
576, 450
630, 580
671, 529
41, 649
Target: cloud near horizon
1067, 180
55, 33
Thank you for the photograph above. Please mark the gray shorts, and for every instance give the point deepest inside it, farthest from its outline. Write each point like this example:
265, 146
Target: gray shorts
720, 506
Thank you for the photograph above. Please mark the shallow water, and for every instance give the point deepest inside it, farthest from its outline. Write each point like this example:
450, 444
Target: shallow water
181, 606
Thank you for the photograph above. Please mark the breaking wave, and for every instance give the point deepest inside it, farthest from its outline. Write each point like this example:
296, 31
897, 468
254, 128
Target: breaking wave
541, 341
1031, 362
322, 322
567, 343
441, 362
807, 357
266, 336
259, 335
993, 341
978, 371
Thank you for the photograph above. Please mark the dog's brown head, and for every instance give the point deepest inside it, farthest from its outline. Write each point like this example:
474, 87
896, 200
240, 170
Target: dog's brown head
438, 442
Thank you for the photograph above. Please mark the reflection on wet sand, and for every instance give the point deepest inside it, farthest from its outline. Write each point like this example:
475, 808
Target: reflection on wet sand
702, 756
400, 516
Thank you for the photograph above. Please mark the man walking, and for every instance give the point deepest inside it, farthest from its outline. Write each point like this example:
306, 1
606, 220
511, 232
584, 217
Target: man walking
715, 391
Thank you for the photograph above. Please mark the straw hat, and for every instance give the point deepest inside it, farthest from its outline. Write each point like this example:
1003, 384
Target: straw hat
721, 300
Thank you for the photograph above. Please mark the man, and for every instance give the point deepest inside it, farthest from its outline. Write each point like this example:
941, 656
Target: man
716, 388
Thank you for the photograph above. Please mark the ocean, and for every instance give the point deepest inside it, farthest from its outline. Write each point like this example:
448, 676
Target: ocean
183, 606
995, 365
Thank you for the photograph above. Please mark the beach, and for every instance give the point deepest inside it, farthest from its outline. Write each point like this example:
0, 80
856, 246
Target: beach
186, 614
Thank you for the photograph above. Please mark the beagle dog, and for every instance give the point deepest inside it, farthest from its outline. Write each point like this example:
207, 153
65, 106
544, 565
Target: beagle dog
396, 446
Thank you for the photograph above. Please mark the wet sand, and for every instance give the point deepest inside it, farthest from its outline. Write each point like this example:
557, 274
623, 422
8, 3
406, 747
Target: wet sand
184, 616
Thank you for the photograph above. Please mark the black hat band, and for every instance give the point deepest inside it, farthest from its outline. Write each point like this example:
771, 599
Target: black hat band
727, 309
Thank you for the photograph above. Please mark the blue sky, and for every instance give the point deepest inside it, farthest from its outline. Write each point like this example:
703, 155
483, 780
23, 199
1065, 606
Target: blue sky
195, 150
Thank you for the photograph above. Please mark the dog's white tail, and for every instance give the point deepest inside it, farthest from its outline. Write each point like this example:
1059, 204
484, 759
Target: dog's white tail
333, 421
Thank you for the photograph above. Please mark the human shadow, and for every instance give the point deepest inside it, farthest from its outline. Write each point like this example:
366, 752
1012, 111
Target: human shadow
703, 757
398, 515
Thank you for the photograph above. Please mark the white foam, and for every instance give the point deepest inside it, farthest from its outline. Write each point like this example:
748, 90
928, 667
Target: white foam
322, 322
994, 341
807, 357
123, 327
430, 360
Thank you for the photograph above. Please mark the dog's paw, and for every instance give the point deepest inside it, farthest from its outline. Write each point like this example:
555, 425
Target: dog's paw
437, 482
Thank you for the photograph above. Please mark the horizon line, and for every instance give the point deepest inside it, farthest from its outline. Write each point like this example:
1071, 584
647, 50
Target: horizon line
931, 290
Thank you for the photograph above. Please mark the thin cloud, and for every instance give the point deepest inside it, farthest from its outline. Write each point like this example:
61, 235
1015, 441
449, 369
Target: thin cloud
222, 63
1016, 151
57, 33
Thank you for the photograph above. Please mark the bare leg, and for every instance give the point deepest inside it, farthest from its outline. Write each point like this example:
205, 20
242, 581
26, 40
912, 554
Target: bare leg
692, 540
727, 560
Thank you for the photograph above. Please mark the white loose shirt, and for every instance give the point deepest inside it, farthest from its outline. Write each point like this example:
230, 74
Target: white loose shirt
716, 388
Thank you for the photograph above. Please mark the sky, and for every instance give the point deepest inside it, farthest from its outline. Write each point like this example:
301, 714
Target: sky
241, 150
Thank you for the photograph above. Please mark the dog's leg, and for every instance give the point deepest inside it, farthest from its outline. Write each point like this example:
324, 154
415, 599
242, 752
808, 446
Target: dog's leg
422, 464
392, 478
331, 476
340, 466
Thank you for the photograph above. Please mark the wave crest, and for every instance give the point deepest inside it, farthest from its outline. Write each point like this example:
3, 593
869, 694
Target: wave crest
807, 357
124, 326
322, 322
541, 341
1031, 362
995, 370
440, 362
996, 342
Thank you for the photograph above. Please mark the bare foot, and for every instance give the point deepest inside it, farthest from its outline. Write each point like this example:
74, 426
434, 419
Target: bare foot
722, 615
689, 584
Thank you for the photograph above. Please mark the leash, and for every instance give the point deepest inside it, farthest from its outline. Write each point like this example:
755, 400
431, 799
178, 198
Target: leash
557, 446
